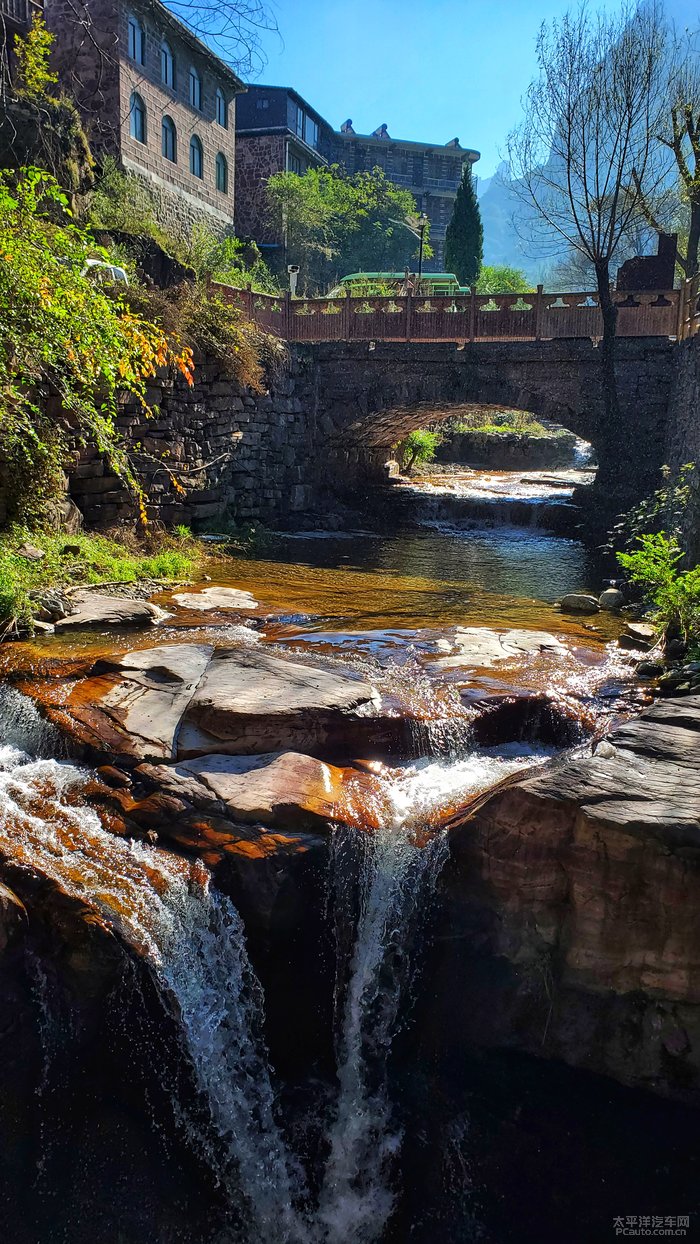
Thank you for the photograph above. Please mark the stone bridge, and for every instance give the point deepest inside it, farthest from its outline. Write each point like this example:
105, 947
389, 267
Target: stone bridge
335, 409
366, 397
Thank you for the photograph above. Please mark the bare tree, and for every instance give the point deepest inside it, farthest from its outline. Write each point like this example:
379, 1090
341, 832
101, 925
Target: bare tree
679, 131
590, 123
234, 29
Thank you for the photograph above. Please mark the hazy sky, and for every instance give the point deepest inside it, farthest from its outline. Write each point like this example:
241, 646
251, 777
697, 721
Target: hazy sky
431, 69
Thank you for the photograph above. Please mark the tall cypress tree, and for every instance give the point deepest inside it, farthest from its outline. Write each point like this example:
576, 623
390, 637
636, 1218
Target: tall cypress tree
464, 238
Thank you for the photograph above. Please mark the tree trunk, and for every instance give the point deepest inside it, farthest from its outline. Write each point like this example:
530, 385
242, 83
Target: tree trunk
608, 310
693, 238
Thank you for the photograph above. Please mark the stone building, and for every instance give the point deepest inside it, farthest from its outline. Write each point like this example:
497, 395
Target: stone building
156, 98
276, 131
431, 171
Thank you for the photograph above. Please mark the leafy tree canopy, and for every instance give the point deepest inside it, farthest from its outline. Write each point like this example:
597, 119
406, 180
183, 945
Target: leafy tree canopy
500, 279
337, 223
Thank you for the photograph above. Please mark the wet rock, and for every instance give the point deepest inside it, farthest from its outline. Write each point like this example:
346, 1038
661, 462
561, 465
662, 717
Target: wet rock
249, 701
527, 717
643, 633
479, 648
612, 598
581, 881
95, 610
286, 790
650, 669
579, 602
132, 705
211, 598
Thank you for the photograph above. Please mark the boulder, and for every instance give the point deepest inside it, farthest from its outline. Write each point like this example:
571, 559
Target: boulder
612, 599
132, 705
579, 602
638, 635
215, 598
94, 610
581, 882
250, 701
477, 647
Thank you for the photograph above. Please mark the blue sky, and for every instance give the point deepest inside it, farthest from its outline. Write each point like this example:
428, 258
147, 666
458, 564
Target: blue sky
432, 69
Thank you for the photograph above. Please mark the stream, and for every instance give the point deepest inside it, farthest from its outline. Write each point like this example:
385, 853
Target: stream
344, 1140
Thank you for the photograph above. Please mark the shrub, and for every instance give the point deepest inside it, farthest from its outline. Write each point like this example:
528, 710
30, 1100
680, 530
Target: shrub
63, 337
418, 449
673, 594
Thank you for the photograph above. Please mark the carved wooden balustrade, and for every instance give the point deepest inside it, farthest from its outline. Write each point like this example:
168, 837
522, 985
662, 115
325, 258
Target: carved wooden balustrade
689, 312
475, 317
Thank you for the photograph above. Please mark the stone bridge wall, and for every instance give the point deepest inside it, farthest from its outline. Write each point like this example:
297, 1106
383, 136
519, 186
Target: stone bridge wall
329, 420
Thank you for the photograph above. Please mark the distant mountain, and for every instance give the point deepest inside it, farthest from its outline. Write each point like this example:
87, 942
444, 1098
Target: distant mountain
510, 225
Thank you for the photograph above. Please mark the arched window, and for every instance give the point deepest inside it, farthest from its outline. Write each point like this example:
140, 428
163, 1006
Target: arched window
167, 65
137, 41
222, 173
221, 108
168, 136
196, 157
137, 118
195, 89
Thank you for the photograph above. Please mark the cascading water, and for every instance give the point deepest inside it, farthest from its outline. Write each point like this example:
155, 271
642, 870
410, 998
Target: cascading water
194, 942
392, 873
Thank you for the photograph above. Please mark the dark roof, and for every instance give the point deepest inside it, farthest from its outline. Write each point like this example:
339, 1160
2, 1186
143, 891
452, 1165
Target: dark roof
389, 140
168, 20
252, 87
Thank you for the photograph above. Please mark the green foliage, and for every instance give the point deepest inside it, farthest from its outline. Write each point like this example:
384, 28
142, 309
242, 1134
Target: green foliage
38, 126
504, 421
123, 202
500, 279
32, 74
82, 558
464, 238
666, 510
229, 260
63, 339
418, 448
337, 223
196, 313
673, 594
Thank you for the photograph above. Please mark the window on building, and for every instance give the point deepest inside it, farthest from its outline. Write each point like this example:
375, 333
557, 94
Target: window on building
299, 123
222, 173
262, 103
221, 108
295, 165
167, 65
137, 118
137, 41
168, 135
196, 157
195, 89
310, 132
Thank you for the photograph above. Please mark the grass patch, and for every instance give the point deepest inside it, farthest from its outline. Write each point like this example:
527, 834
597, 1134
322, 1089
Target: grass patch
84, 559
505, 422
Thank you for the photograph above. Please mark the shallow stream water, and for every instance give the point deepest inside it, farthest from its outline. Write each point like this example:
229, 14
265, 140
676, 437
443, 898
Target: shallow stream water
390, 1152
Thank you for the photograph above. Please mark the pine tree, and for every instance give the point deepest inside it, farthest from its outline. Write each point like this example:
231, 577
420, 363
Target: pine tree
464, 239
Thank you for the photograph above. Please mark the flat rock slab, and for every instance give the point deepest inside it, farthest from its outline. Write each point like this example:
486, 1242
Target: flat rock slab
133, 704
479, 648
287, 790
179, 701
95, 610
216, 598
250, 701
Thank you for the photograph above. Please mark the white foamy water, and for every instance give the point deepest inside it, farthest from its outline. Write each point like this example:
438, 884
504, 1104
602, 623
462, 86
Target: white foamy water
397, 876
194, 942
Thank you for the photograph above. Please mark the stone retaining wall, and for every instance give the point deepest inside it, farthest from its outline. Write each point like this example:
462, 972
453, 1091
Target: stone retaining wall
683, 432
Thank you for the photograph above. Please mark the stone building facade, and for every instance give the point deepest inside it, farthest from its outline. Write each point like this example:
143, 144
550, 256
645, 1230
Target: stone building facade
431, 171
276, 131
156, 98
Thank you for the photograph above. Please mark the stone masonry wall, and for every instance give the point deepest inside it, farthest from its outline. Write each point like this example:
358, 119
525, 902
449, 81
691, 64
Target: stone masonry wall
257, 158
683, 433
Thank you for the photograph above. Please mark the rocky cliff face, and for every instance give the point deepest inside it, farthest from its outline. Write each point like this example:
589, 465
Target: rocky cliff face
571, 925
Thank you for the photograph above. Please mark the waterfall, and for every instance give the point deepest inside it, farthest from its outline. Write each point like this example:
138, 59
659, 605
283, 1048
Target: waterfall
389, 878
194, 943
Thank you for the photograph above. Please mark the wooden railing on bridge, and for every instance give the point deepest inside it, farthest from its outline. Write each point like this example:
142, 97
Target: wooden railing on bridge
476, 317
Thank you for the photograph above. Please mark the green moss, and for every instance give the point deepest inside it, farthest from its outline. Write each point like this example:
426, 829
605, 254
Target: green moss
72, 560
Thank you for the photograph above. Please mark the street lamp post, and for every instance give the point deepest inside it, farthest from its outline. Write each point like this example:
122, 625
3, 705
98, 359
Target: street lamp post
417, 228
